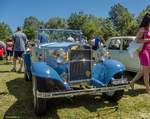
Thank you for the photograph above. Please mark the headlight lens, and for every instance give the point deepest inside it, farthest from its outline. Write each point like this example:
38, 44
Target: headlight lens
60, 60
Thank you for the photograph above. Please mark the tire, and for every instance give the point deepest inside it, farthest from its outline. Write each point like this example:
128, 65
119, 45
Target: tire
114, 96
40, 104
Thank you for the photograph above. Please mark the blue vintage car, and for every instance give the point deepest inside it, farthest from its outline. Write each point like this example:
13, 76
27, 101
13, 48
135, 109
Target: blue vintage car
66, 67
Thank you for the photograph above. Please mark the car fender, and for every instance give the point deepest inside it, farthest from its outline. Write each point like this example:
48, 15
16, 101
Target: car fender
104, 71
112, 67
45, 72
41, 69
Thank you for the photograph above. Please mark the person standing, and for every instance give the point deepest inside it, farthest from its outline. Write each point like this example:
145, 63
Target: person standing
96, 43
20, 40
143, 36
42, 36
9, 48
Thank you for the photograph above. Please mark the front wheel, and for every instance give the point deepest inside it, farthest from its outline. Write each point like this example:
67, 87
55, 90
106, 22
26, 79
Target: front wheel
114, 96
40, 104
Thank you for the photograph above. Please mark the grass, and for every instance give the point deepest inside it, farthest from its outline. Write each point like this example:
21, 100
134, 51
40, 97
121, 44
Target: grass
16, 102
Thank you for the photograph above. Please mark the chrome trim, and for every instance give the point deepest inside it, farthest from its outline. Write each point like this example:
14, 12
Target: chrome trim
80, 81
80, 92
83, 60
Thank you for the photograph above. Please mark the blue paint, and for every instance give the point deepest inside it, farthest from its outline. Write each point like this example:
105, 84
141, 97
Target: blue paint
41, 69
59, 68
103, 72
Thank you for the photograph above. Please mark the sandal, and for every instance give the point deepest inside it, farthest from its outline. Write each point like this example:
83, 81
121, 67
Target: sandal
131, 85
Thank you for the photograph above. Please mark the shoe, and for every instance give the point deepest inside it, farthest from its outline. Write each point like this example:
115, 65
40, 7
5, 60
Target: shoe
13, 70
131, 85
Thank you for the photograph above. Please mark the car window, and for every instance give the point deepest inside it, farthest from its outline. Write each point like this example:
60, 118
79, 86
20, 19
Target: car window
126, 43
115, 44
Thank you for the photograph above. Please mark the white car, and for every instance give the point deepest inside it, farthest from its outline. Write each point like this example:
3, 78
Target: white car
117, 47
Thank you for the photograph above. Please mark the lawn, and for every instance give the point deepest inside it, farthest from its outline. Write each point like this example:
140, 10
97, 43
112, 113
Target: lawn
16, 102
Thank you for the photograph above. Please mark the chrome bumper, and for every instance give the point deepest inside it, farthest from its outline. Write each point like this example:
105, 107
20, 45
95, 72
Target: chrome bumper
72, 93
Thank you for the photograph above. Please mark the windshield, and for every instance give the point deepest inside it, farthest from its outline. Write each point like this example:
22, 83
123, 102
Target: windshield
53, 35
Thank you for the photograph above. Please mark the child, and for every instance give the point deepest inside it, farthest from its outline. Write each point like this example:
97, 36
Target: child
9, 49
2, 53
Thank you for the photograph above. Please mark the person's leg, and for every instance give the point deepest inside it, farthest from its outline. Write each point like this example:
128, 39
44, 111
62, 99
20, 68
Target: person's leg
137, 77
14, 64
14, 61
21, 64
7, 56
20, 60
11, 55
146, 70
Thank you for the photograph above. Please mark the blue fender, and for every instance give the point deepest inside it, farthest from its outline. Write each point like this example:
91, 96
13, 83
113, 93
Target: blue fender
103, 72
41, 69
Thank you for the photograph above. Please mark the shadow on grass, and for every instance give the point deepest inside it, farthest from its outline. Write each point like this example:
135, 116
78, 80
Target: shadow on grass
23, 107
4, 71
140, 83
135, 92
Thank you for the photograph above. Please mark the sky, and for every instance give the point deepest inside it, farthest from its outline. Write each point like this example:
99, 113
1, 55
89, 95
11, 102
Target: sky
13, 12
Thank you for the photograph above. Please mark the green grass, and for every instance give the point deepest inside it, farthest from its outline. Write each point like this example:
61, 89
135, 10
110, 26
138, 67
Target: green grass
16, 102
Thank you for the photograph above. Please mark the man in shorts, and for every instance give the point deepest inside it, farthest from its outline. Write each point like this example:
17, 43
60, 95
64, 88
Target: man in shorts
20, 40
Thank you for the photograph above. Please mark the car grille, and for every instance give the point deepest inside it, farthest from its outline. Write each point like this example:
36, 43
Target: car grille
80, 65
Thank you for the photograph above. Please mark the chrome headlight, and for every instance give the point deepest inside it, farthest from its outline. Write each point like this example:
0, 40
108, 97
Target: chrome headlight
60, 60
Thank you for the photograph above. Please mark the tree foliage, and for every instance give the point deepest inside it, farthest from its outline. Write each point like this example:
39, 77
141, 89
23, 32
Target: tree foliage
122, 20
119, 22
31, 24
77, 20
31, 21
92, 27
56, 22
30, 32
142, 13
5, 31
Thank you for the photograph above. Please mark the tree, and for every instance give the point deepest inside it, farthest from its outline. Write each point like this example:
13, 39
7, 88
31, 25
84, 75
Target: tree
76, 20
92, 27
122, 20
5, 31
31, 24
141, 15
30, 32
108, 29
56, 22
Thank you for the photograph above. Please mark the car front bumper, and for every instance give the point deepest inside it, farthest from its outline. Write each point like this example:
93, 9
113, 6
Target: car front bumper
72, 93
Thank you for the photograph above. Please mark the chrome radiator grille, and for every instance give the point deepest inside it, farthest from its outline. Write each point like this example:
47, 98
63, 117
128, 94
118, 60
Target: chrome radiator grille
80, 65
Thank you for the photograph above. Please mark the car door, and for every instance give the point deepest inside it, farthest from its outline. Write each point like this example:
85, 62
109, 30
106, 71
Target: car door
132, 64
114, 48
